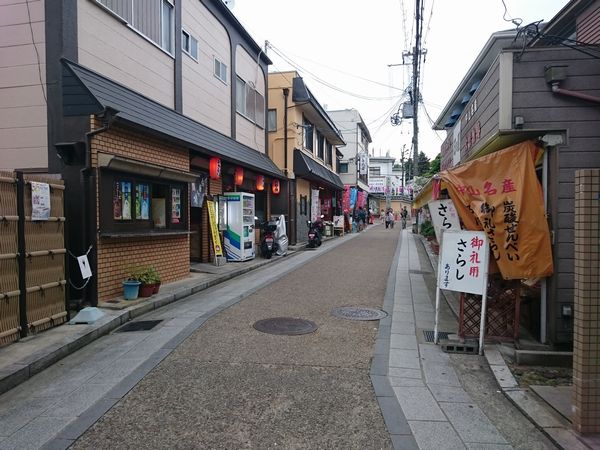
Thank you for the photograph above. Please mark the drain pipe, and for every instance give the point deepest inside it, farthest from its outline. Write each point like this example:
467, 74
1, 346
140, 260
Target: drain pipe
291, 193
558, 90
88, 180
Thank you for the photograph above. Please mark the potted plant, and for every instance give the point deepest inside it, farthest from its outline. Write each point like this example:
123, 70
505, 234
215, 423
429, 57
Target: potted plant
427, 230
148, 278
131, 289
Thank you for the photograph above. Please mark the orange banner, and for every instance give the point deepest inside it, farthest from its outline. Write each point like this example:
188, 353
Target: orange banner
500, 194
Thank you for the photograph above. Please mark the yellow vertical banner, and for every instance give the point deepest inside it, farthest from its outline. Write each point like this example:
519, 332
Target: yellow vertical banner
501, 195
212, 219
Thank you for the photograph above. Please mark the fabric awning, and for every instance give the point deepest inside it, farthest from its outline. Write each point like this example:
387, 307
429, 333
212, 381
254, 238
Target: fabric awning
86, 92
306, 167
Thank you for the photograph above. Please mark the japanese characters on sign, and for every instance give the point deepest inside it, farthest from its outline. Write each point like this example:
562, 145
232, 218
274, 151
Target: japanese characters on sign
464, 259
443, 216
500, 194
40, 201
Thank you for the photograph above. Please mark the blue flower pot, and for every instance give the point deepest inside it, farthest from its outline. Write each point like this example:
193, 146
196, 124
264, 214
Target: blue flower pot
131, 289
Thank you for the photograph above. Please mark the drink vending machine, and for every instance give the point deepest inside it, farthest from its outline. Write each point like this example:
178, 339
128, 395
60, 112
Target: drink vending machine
239, 235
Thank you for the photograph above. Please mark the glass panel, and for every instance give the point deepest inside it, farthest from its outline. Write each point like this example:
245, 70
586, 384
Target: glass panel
250, 102
175, 205
142, 201
240, 96
167, 26
272, 120
260, 110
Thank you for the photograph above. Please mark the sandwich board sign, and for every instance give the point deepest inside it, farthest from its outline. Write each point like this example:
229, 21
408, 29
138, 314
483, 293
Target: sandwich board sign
463, 267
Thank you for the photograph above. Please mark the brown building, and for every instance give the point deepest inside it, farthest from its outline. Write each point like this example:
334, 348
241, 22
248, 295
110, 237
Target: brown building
130, 108
541, 82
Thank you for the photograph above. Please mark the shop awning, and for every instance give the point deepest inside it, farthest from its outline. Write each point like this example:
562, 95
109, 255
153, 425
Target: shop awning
86, 92
306, 167
152, 170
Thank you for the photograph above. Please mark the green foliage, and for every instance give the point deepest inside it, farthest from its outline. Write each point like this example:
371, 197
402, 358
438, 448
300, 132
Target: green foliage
427, 229
423, 163
434, 165
146, 275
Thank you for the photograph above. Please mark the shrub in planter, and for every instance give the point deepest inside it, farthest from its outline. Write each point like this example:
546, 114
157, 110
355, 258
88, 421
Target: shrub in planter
427, 230
148, 277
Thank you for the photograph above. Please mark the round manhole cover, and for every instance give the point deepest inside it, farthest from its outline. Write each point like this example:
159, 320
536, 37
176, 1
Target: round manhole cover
354, 313
285, 326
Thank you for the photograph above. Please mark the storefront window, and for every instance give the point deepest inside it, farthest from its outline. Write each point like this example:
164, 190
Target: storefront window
134, 204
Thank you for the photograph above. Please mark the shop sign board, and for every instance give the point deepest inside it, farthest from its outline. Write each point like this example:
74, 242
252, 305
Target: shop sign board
216, 239
443, 216
463, 262
40, 201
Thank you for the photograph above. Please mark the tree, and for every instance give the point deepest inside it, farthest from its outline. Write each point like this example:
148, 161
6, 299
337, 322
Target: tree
434, 165
423, 164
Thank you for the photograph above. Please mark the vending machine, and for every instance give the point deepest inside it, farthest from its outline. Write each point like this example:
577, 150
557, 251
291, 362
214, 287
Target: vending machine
239, 235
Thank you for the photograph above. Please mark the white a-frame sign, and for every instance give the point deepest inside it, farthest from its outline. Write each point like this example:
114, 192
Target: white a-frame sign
463, 267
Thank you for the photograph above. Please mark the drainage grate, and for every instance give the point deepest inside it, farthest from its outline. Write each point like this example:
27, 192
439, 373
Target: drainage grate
140, 325
285, 326
419, 272
354, 313
441, 335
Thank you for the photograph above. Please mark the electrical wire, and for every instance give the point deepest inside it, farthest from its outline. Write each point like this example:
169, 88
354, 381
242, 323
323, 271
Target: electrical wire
323, 82
516, 21
428, 23
37, 53
345, 73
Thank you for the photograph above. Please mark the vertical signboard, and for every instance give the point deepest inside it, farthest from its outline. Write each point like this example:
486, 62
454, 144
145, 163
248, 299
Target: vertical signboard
462, 267
444, 216
216, 239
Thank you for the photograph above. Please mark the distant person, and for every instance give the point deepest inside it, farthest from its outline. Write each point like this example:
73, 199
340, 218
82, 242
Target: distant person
390, 219
404, 216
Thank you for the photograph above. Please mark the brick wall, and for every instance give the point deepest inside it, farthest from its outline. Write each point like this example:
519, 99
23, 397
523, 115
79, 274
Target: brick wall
586, 333
170, 255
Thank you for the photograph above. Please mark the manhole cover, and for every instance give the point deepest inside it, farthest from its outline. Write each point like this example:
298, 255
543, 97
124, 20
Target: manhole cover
429, 335
140, 325
354, 313
285, 326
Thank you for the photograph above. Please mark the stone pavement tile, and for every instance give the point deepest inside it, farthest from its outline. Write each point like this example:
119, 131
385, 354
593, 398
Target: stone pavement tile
403, 442
405, 382
395, 421
478, 446
418, 404
471, 423
440, 374
382, 346
77, 402
433, 353
403, 327
116, 371
424, 308
537, 412
398, 309
405, 373
379, 365
493, 356
35, 433
57, 444
407, 359
566, 439
403, 341
449, 394
505, 378
20, 412
435, 435
381, 386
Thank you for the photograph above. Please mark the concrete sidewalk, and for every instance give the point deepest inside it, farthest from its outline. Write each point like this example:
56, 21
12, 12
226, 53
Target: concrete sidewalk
543, 414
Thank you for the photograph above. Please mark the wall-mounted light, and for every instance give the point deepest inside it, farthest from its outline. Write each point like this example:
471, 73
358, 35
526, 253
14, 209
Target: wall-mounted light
275, 187
260, 182
214, 168
238, 176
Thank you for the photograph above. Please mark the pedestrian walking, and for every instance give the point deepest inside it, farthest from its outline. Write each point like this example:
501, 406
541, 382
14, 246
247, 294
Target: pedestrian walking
390, 219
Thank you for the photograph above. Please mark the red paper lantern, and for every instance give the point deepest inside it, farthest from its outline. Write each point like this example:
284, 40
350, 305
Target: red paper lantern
260, 182
215, 168
238, 176
275, 187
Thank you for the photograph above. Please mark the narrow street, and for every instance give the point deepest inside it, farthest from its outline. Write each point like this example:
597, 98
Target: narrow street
205, 378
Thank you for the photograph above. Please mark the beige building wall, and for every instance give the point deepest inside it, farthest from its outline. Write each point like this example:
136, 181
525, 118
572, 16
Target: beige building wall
23, 132
277, 82
206, 98
118, 52
247, 132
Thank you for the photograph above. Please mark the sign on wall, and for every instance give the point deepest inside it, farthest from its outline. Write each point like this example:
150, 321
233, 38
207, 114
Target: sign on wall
40, 201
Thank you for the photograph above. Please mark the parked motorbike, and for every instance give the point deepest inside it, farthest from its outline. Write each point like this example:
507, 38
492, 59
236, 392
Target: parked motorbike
315, 230
268, 245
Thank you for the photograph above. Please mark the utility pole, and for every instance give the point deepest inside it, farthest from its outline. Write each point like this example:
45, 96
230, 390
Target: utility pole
415, 90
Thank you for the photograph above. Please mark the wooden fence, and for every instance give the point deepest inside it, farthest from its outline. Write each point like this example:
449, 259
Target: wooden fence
32, 259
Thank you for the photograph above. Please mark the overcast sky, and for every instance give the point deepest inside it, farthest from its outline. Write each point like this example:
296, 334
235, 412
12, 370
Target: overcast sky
343, 49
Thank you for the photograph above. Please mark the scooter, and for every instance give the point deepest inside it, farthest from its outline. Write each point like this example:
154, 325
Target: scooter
314, 232
268, 246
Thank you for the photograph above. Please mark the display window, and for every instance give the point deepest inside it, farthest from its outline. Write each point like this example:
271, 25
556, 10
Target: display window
130, 203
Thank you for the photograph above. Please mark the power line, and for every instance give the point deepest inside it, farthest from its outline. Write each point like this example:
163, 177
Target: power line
323, 82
